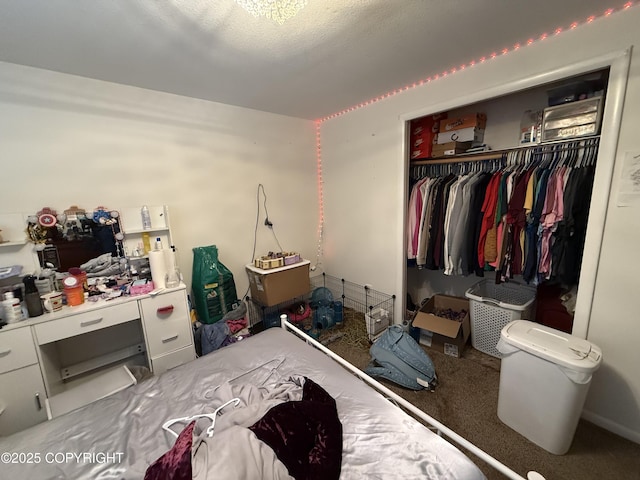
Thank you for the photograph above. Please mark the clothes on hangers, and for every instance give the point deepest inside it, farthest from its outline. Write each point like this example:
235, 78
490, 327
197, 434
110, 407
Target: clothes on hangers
524, 214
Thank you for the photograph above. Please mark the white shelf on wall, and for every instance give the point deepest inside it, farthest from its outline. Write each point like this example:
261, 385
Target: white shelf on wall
12, 227
13, 244
131, 227
148, 230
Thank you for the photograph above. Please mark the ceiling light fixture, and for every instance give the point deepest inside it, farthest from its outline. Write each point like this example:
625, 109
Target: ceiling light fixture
278, 10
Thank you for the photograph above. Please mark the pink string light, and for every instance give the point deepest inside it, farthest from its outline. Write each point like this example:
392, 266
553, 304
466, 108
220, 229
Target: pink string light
420, 83
471, 63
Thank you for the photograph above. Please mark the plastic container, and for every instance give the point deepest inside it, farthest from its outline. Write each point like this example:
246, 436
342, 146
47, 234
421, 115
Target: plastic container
146, 218
73, 291
172, 278
545, 376
80, 275
492, 306
531, 126
11, 308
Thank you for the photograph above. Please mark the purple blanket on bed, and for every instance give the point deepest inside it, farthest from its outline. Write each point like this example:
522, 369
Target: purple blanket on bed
305, 435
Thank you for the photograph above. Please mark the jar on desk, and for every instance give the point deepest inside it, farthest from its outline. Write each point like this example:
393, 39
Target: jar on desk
73, 291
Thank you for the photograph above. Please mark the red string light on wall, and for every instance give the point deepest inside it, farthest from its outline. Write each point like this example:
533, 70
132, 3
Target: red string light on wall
472, 63
320, 194
419, 83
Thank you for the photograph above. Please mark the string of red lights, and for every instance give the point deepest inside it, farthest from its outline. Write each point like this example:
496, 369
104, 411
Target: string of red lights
419, 83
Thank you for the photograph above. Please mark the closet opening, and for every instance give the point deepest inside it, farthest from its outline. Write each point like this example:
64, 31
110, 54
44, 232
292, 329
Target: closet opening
546, 139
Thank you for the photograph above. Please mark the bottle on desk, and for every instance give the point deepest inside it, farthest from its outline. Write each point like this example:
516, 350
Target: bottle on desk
11, 308
32, 296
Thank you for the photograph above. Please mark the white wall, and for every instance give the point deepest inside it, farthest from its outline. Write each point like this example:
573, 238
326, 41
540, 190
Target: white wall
67, 140
365, 195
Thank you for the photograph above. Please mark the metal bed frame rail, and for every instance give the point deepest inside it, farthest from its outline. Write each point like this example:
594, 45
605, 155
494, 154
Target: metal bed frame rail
440, 428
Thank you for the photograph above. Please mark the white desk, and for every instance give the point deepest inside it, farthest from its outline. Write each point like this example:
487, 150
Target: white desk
52, 363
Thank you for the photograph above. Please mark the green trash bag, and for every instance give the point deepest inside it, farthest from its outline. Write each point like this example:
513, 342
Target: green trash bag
214, 290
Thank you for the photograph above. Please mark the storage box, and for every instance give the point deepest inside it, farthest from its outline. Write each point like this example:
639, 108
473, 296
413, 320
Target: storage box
571, 120
443, 334
277, 285
430, 123
423, 133
421, 152
267, 263
426, 140
477, 120
451, 148
471, 134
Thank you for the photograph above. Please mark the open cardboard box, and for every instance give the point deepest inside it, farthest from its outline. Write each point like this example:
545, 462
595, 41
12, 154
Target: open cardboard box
447, 336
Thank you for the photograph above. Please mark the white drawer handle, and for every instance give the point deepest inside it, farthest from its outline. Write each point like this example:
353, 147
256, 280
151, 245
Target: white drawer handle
38, 403
4, 353
169, 339
90, 322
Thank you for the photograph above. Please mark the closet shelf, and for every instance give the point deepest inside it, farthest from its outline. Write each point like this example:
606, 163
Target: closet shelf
493, 154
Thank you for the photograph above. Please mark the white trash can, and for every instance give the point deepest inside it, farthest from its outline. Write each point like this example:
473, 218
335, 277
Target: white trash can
545, 376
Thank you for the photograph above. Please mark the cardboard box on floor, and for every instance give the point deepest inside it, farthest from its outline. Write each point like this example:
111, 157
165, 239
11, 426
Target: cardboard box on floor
277, 285
442, 334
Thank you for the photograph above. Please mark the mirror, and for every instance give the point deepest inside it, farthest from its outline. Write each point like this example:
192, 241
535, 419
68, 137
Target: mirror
75, 236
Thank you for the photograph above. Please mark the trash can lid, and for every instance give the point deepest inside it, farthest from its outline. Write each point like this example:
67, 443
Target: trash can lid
553, 345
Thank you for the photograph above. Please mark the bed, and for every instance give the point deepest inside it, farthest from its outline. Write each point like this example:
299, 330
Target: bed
119, 437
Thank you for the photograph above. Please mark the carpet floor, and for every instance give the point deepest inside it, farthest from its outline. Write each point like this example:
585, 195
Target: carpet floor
466, 401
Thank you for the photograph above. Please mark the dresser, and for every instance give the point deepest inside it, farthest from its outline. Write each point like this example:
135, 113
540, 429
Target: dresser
60, 361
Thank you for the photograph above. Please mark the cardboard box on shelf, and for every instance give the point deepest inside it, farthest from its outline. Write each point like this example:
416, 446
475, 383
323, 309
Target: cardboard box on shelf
477, 120
471, 134
421, 145
424, 140
423, 133
451, 148
429, 123
445, 335
277, 285
420, 153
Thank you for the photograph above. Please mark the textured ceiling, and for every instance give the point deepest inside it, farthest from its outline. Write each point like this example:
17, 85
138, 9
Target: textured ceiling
332, 55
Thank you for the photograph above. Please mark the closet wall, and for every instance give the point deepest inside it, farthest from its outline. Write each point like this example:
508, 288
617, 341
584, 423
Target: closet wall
365, 168
67, 140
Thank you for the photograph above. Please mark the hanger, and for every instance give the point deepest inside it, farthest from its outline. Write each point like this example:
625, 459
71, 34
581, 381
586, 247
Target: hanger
212, 416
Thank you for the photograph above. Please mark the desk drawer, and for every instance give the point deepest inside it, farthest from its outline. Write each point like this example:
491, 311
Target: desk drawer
86, 322
166, 322
16, 349
172, 360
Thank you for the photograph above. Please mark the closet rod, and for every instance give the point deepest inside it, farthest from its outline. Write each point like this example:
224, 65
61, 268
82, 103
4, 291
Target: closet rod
498, 154
494, 155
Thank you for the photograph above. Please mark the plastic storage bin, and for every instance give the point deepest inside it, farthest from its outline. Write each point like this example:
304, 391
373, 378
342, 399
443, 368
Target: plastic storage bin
492, 307
545, 376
